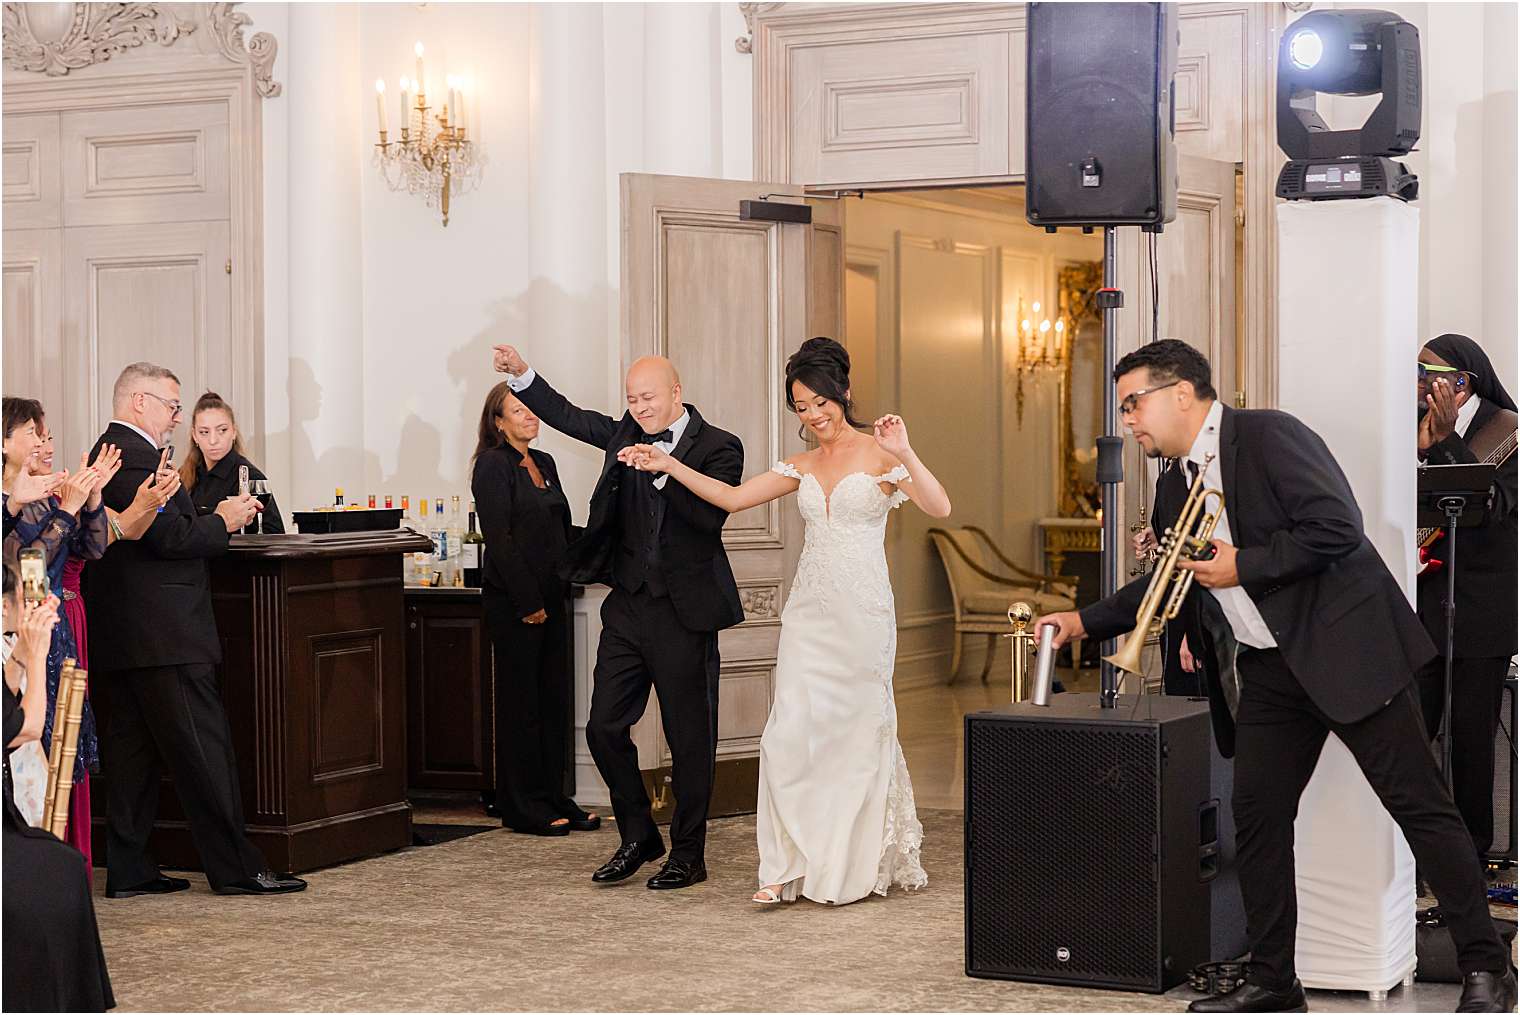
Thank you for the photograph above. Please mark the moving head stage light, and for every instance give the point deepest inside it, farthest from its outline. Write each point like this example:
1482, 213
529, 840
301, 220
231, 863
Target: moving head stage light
1352, 52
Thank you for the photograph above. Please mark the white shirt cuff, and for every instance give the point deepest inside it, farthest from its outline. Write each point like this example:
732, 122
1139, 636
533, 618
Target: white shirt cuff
522, 380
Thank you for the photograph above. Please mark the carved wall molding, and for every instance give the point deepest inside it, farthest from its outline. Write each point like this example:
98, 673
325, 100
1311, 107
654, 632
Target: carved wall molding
746, 42
100, 31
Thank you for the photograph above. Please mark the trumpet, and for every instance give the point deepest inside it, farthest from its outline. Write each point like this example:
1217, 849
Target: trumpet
1189, 538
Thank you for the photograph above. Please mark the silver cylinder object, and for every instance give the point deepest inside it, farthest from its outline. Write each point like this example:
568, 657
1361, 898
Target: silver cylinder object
1044, 666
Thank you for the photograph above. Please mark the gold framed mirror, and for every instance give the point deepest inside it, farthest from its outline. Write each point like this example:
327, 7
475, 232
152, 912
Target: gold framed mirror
1082, 388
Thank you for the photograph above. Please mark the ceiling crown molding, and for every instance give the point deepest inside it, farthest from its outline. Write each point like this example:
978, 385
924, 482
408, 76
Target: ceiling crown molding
99, 31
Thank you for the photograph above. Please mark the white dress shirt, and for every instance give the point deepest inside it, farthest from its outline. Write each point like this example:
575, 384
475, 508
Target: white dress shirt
519, 382
1245, 620
1466, 413
133, 426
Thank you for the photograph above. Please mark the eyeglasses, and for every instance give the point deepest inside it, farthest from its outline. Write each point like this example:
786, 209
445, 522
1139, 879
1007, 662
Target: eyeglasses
1130, 404
1432, 371
175, 408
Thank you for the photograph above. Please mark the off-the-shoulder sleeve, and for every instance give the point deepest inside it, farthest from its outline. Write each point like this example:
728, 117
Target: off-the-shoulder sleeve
897, 475
787, 470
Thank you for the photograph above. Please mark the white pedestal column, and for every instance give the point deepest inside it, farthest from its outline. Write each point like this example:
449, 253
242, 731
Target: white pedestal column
1348, 336
326, 281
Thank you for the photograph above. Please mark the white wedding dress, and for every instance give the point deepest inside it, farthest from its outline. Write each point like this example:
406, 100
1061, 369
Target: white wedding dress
835, 819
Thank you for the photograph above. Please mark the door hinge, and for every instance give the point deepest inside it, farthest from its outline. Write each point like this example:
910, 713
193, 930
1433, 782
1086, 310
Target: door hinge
229, 266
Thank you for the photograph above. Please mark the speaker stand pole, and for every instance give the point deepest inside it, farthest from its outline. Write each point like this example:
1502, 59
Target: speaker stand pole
1453, 506
1111, 453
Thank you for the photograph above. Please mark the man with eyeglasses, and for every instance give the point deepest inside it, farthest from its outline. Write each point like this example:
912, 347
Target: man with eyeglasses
154, 650
1326, 642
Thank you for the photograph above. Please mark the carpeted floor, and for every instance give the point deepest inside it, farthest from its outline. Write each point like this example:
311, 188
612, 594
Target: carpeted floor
502, 921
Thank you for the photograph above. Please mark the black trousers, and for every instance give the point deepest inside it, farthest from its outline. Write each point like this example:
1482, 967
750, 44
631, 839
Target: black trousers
534, 697
1477, 696
644, 644
1279, 734
171, 715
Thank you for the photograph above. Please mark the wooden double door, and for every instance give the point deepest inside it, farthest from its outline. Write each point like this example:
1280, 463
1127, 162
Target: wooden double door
117, 248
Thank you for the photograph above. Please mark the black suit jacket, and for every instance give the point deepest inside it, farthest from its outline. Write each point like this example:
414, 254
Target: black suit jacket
697, 573
214, 485
525, 539
150, 598
1339, 617
1486, 594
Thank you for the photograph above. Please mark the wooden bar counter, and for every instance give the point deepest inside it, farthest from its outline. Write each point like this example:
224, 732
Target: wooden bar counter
313, 675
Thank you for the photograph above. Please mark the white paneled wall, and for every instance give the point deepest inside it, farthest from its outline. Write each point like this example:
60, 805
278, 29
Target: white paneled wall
379, 319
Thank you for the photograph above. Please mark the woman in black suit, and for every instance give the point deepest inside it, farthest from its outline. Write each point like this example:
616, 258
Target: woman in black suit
525, 519
210, 471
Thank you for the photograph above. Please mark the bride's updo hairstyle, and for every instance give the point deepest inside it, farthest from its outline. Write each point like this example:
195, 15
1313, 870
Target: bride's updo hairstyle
823, 365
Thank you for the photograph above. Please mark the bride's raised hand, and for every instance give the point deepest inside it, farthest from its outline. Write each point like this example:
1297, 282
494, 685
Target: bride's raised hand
892, 434
645, 458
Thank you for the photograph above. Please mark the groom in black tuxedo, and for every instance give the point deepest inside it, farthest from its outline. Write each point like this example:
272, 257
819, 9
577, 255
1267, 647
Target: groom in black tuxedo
1326, 642
660, 547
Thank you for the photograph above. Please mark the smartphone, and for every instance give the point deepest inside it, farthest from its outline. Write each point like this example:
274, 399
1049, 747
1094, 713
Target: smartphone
242, 480
34, 581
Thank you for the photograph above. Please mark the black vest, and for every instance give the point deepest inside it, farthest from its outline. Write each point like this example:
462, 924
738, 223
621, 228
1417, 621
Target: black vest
640, 509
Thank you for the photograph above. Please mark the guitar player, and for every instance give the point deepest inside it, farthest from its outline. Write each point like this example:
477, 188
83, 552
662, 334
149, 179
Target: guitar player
1466, 417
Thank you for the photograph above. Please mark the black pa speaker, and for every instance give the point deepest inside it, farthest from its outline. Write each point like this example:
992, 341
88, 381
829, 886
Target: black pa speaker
1503, 848
1101, 115
1099, 843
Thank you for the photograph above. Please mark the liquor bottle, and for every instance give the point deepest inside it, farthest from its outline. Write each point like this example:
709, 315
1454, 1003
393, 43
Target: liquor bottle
456, 544
422, 560
372, 502
338, 499
388, 502
441, 557
473, 552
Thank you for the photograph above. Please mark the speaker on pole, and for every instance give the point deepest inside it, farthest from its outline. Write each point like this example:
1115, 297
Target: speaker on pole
1100, 123
1100, 847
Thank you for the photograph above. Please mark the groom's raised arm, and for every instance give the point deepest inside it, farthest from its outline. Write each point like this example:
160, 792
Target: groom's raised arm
549, 405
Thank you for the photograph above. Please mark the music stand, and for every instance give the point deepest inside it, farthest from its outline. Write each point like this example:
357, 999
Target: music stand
1452, 497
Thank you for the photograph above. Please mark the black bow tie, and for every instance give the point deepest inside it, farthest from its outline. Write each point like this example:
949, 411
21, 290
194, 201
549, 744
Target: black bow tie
663, 437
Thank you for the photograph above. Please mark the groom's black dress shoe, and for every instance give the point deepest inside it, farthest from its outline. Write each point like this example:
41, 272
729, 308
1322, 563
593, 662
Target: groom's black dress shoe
1250, 997
627, 860
679, 874
1484, 991
263, 883
161, 885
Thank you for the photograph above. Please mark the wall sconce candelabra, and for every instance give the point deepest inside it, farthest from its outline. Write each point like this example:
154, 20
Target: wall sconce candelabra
1040, 345
434, 156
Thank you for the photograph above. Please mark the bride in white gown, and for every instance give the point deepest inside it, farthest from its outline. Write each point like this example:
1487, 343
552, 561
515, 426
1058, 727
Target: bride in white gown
835, 819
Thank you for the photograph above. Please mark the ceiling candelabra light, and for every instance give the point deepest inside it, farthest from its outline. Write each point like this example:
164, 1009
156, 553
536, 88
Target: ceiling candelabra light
434, 156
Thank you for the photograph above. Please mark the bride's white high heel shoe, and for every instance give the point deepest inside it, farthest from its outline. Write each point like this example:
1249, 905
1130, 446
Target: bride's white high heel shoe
769, 896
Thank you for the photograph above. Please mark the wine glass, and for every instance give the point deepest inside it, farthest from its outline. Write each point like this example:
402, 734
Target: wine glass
260, 488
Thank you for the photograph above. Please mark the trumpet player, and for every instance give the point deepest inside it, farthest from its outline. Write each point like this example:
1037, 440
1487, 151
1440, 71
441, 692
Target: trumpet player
1325, 642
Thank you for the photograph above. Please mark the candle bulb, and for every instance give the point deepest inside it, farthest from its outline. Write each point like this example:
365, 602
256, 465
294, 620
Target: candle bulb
420, 76
459, 109
380, 102
406, 116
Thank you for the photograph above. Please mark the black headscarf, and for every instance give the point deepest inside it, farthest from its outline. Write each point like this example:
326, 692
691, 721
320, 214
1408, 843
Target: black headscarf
1465, 354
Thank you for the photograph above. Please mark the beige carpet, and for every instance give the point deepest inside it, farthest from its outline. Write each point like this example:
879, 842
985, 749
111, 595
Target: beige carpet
499, 921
